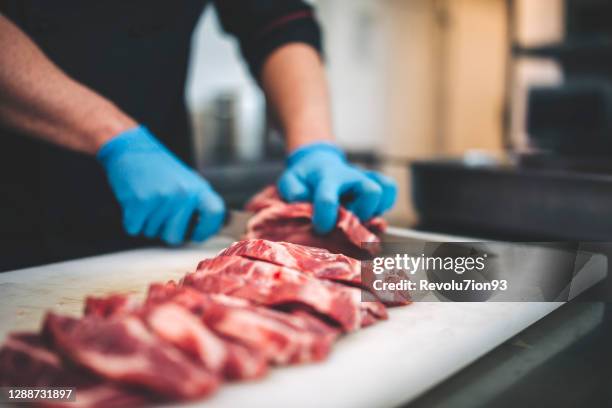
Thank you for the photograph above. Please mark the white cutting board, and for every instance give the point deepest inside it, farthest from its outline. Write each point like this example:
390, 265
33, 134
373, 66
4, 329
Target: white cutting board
381, 366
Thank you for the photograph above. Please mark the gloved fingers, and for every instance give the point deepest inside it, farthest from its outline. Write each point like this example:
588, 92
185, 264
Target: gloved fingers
367, 194
326, 202
176, 226
291, 188
159, 216
211, 209
135, 214
389, 194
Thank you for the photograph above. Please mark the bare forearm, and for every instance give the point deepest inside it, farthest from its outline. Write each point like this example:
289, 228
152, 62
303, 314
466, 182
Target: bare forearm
294, 81
38, 99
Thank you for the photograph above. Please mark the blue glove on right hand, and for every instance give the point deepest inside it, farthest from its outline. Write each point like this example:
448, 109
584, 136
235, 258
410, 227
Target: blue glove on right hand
320, 173
157, 192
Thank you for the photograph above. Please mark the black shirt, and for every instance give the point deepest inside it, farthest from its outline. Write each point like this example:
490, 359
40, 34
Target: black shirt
56, 204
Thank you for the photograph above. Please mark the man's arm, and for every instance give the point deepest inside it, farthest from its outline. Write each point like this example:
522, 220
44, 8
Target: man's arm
294, 82
281, 41
38, 99
157, 192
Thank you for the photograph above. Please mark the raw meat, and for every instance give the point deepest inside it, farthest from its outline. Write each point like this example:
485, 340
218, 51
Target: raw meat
180, 327
282, 338
110, 305
259, 302
26, 361
177, 325
277, 220
273, 285
187, 331
317, 262
122, 349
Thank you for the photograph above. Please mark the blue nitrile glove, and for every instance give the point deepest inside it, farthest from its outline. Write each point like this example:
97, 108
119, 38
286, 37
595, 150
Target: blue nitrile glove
158, 193
319, 172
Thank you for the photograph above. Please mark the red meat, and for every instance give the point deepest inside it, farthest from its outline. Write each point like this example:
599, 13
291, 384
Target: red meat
276, 220
273, 285
26, 361
282, 338
316, 262
122, 349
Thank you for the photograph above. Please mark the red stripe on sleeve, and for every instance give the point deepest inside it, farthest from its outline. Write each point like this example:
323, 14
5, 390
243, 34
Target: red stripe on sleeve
284, 20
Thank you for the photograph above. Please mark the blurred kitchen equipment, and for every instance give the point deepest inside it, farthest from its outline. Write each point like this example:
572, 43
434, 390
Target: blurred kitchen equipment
234, 126
561, 187
233, 153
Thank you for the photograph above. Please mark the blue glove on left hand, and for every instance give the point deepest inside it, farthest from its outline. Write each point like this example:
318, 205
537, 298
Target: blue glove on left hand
320, 173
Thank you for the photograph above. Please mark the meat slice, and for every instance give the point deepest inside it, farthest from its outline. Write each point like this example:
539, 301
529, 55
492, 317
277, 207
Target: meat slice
110, 305
26, 361
265, 198
122, 349
313, 261
319, 263
276, 220
281, 338
178, 326
273, 285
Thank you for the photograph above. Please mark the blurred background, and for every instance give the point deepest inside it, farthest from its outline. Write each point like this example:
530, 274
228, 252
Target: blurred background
410, 80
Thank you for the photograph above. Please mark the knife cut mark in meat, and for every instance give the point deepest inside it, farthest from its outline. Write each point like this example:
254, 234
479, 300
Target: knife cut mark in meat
276, 220
273, 285
280, 337
122, 349
26, 361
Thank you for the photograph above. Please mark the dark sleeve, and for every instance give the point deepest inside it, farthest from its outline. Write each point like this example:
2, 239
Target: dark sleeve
261, 26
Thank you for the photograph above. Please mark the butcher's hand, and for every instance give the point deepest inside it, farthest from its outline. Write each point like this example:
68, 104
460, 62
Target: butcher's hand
320, 173
158, 193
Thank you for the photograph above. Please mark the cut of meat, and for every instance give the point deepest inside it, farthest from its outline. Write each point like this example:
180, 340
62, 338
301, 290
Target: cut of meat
26, 361
180, 327
317, 262
244, 363
177, 325
110, 305
265, 198
259, 302
268, 284
276, 220
282, 338
122, 349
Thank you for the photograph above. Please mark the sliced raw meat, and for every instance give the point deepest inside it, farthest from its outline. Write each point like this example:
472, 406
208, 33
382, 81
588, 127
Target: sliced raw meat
178, 326
273, 285
317, 262
26, 361
110, 305
244, 363
281, 338
122, 349
276, 220
265, 198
